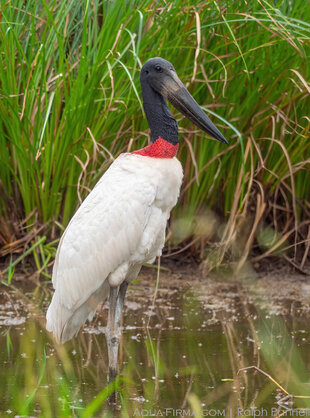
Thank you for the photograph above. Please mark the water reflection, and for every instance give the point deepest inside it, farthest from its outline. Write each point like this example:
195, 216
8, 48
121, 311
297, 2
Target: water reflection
187, 352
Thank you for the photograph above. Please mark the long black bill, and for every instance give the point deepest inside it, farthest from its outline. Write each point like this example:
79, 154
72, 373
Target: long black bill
176, 93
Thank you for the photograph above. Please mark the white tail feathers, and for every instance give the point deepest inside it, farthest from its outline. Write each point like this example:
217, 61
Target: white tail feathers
65, 323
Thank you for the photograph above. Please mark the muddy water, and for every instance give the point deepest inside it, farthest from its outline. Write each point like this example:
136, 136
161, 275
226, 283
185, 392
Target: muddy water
184, 354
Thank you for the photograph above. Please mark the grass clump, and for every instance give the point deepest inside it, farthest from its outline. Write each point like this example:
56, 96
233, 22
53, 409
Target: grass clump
70, 103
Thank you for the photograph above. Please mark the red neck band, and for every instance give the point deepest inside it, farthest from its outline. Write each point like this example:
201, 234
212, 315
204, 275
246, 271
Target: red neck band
159, 149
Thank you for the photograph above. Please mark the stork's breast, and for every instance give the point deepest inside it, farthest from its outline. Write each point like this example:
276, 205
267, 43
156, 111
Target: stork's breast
171, 175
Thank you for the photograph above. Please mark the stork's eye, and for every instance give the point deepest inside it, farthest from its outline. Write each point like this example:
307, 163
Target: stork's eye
146, 71
158, 68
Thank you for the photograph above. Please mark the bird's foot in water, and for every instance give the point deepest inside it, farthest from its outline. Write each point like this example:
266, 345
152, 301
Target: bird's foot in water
112, 399
113, 345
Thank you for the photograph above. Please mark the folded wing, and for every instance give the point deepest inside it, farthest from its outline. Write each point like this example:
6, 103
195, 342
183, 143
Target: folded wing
104, 234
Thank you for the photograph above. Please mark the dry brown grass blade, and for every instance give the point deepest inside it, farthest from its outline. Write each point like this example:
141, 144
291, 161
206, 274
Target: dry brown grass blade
265, 374
260, 209
230, 230
292, 183
222, 79
198, 31
193, 158
273, 381
295, 265
82, 173
305, 256
207, 81
19, 245
236, 360
278, 243
211, 161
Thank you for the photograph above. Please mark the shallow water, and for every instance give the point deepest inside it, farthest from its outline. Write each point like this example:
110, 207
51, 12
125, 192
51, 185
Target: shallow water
182, 356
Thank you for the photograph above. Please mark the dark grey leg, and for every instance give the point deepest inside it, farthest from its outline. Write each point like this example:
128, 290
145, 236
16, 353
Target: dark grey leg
113, 331
120, 303
112, 336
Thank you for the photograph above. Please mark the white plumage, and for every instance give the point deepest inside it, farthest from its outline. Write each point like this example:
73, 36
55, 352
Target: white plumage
119, 226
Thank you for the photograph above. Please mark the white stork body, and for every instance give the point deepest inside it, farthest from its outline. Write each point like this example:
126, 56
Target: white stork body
121, 224
118, 227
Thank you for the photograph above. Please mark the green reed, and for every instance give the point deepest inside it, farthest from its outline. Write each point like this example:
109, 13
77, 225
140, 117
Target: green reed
70, 102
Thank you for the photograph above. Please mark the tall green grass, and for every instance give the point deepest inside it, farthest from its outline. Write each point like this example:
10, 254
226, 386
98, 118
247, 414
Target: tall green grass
70, 102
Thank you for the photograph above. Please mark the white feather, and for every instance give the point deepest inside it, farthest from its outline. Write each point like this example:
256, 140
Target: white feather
119, 226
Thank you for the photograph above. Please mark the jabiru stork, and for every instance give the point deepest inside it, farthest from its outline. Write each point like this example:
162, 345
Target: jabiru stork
121, 224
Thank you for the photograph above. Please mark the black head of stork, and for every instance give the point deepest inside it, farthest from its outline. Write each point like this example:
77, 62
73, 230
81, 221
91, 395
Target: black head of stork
159, 81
